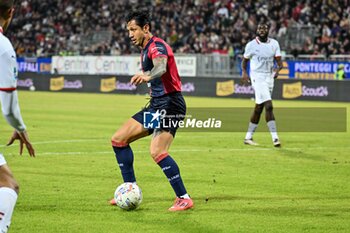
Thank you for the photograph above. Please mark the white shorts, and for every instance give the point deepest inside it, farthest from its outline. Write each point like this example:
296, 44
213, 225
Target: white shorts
2, 160
263, 86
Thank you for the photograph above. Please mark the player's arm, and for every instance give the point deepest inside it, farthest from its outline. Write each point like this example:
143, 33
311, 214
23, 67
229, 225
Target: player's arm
159, 68
278, 59
12, 114
245, 77
279, 66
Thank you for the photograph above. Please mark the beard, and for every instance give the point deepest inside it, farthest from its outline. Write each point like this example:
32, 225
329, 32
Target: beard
263, 37
7, 17
6, 24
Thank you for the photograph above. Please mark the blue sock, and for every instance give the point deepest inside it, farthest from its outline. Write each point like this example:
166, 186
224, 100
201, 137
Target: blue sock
125, 158
172, 172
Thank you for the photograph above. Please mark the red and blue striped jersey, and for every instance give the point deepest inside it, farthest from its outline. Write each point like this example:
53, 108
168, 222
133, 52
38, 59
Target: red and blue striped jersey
170, 81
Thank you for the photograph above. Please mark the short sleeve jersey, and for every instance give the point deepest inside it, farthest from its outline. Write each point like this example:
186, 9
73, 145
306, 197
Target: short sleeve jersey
262, 55
8, 64
170, 81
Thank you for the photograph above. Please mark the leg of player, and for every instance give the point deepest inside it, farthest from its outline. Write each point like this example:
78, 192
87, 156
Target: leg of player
160, 144
271, 123
129, 132
253, 124
8, 195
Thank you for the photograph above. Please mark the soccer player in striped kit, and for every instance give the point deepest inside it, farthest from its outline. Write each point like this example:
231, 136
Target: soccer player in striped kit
160, 73
10, 109
262, 52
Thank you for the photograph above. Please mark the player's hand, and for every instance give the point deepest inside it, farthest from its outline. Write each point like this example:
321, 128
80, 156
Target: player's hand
140, 78
275, 74
23, 139
245, 79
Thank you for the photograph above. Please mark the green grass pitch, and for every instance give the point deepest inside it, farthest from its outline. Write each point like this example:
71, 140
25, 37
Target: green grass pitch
301, 187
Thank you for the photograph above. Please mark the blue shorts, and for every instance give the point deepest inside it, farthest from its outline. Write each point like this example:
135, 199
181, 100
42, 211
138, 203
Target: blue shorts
174, 107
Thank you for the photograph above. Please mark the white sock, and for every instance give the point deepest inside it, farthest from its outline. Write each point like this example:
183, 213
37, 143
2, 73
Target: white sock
251, 129
186, 196
273, 129
8, 198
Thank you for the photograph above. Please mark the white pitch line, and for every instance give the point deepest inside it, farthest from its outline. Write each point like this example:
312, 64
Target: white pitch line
192, 150
64, 141
139, 151
176, 150
89, 140
69, 141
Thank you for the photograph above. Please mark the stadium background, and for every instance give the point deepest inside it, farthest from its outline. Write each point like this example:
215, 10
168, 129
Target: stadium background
208, 37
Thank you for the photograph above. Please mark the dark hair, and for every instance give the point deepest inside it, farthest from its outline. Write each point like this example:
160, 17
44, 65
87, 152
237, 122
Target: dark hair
6, 5
263, 23
141, 18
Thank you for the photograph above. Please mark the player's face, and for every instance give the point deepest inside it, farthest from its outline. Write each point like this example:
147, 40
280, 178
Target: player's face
262, 31
136, 33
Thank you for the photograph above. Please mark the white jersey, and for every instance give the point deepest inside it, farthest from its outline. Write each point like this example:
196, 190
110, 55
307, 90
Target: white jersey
8, 64
262, 55
8, 82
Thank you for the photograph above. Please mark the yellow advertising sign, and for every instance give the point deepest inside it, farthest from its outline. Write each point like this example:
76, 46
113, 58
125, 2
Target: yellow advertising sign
108, 84
292, 90
284, 73
316, 75
56, 84
45, 67
225, 88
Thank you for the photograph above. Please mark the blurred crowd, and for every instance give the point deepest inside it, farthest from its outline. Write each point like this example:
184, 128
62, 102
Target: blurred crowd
48, 27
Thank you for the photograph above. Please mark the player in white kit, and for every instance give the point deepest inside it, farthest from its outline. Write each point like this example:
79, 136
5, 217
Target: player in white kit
10, 109
262, 52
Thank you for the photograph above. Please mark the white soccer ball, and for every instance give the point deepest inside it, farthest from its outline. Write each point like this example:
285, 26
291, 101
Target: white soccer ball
128, 196
32, 88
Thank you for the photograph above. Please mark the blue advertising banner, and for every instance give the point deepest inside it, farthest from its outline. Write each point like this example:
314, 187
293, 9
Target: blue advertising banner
315, 69
35, 65
323, 70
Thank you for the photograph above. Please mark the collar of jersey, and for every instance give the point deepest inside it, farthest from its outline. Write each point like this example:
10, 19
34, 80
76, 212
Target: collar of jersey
257, 40
149, 42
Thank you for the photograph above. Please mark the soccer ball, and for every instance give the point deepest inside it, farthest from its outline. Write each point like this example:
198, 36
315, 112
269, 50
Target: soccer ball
128, 196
